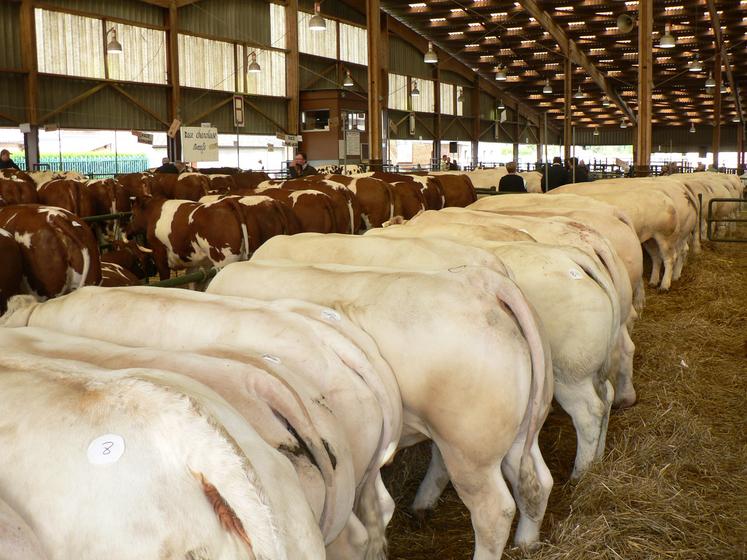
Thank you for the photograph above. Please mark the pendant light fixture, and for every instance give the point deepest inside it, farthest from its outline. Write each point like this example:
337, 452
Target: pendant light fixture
710, 82
348, 82
113, 46
254, 67
501, 106
596, 131
317, 23
667, 40
430, 56
692, 127
623, 124
694, 65
460, 96
579, 94
500, 74
605, 102
724, 89
736, 118
548, 88
414, 92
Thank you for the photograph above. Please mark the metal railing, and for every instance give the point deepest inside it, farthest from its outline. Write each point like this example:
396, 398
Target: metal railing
710, 220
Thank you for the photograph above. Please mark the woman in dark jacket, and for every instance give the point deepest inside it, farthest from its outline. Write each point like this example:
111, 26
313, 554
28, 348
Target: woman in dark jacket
5, 161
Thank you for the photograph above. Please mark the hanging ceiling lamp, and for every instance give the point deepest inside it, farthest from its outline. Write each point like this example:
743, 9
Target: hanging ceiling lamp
414, 92
430, 57
736, 118
724, 89
605, 102
667, 40
317, 23
501, 106
348, 82
596, 131
694, 65
710, 82
548, 88
460, 97
113, 46
500, 74
254, 67
692, 127
579, 94
623, 124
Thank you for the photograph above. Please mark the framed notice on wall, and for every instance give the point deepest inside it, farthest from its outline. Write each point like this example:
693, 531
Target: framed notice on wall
353, 142
199, 143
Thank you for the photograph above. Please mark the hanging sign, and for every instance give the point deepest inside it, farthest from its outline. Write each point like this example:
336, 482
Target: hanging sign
238, 111
199, 144
143, 137
174, 128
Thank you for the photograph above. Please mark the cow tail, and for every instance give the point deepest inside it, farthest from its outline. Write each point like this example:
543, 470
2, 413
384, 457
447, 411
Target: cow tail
245, 249
330, 210
540, 394
64, 227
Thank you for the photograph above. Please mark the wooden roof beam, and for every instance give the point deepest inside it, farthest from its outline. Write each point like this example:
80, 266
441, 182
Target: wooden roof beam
720, 47
571, 50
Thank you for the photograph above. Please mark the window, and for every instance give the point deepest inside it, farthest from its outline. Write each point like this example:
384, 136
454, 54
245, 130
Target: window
70, 45
206, 64
426, 101
316, 120
144, 58
314, 42
353, 44
271, 79
277, 26
447, 99
356, 121
398, 92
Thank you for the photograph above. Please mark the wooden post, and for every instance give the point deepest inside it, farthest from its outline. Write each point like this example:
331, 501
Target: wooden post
292, 78
716, 108
541, 140
28, 56
174, 144
375, 79
517, 133
476, 121
645, 76
567, 107
437, 116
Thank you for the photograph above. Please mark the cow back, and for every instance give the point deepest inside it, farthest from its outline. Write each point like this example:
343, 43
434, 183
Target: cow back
71, 195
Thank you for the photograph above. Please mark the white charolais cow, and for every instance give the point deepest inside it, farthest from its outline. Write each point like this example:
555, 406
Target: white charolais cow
299, 343
604, 218
472, 380
17, 540
573, 296
145, 461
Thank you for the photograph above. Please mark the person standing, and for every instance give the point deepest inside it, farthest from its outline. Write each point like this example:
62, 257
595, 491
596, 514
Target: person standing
556, 175
511, 182
301, 167
6, 162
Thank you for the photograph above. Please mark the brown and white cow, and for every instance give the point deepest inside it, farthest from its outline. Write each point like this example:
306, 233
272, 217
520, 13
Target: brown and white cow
113, 275
376, 197
185, 186
11, 271
129, 255
313, 209
16, 187
409, 199
250, 179
71, 195
59, 253
185, 234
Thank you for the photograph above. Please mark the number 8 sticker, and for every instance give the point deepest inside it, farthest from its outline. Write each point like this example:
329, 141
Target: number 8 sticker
106, 449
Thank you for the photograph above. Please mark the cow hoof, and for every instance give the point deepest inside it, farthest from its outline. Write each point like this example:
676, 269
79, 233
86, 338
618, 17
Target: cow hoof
624, 402
420, 517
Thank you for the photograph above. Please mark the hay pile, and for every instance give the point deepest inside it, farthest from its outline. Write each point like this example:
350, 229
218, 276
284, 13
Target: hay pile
674, 482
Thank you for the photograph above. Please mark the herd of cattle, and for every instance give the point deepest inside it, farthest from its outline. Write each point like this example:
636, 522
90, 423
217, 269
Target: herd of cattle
252, 420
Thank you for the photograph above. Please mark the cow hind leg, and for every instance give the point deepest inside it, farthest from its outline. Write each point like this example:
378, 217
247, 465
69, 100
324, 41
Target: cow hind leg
588, 411
350, 544
624, 390
433, 484
486, 495
653, 252
375, 509
531, 504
